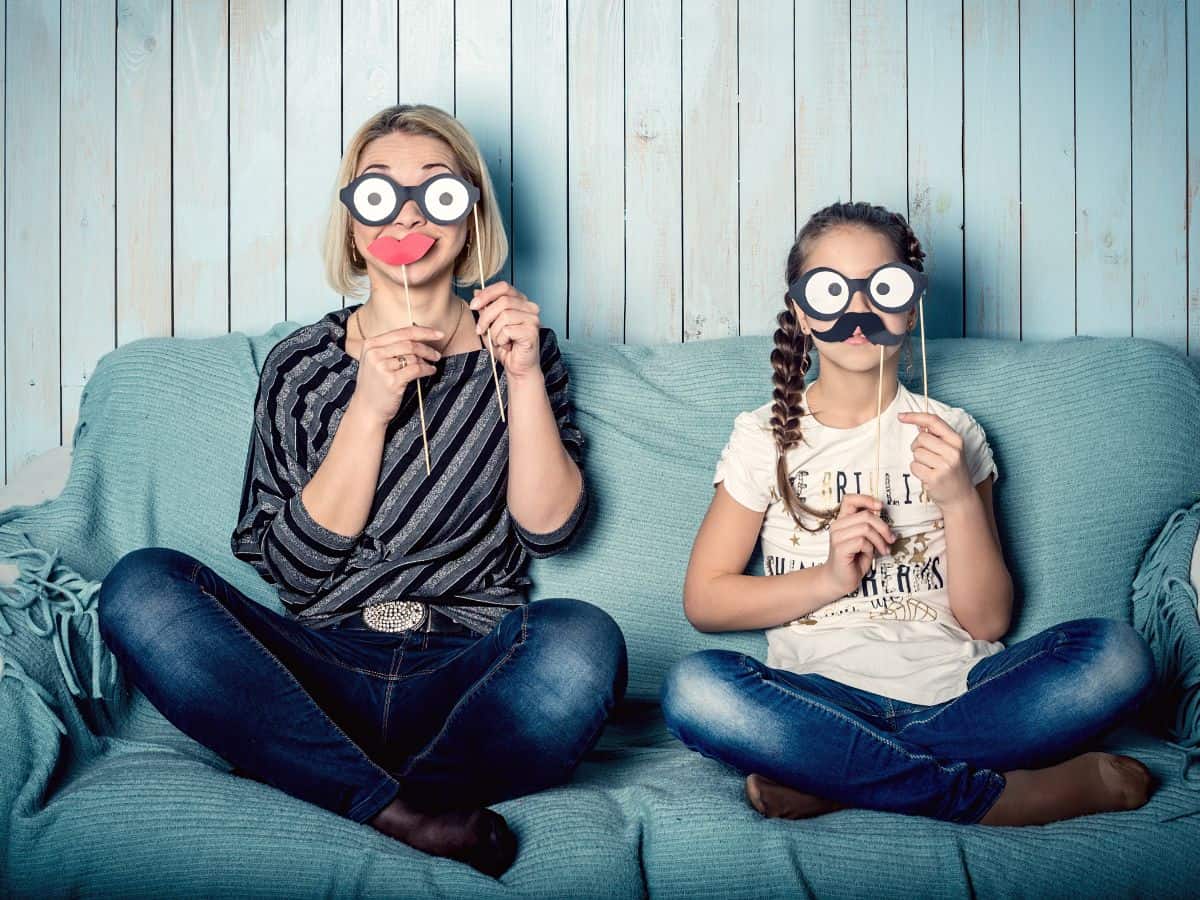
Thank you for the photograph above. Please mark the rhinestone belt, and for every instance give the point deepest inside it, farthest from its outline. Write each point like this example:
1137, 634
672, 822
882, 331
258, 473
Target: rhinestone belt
394, 615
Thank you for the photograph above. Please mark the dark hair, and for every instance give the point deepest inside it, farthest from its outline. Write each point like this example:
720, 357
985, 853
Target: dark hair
790, 358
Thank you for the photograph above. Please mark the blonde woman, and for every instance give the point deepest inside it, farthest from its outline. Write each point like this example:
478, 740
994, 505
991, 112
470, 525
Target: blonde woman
411, 682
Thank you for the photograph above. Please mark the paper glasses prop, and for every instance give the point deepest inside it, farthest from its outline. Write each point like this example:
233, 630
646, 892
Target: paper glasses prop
445, 199
824, 295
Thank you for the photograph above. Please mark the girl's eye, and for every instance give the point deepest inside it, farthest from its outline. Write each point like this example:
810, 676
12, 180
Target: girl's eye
892, 287
826, 292
375, 199
447, 200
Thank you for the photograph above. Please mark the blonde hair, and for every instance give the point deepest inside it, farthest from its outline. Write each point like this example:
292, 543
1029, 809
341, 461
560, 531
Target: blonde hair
347, 277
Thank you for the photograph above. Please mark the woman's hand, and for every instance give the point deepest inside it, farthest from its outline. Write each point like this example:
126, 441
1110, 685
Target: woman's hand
388, 363
938, 460
512, 321
854, 537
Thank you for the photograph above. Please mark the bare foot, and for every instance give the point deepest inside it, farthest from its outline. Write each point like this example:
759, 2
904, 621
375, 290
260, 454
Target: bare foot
778, 801
478, 837
1092, 782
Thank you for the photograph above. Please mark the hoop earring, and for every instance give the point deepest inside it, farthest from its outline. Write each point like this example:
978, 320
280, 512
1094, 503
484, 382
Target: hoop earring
356, 258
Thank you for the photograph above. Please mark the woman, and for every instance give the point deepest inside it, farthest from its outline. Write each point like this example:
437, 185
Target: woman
395, 507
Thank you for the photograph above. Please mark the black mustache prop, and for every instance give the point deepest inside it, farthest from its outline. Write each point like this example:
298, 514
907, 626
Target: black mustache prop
872, 327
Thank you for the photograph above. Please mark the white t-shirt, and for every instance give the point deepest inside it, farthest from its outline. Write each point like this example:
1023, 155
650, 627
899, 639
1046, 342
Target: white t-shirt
894, 634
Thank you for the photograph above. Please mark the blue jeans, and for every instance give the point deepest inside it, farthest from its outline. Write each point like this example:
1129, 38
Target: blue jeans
1027, 706
350, 718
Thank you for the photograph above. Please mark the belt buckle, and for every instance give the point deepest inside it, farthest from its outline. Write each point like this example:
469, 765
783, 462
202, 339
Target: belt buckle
394, 615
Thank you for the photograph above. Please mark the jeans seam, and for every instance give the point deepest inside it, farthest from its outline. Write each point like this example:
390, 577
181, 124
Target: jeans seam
852, 722
291, 677
466, 698
397, 656
976, 687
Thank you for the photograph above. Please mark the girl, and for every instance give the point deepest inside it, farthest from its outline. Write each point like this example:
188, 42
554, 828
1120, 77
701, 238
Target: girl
410, 683
885, 684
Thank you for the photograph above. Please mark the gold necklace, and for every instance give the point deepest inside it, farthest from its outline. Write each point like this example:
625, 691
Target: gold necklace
457, 322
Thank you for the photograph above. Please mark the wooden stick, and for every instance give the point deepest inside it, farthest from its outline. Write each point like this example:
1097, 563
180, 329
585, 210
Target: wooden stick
420, 396
924, 369
488, 333
879, 424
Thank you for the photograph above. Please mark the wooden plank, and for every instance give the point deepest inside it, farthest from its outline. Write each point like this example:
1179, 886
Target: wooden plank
3, 257
31, 226
653, 178
370, 74
200, 195
257, 268
539, 156
1159, 129
426, 51
879, 162
89, 225
823, 131
935, 162
144, 183
482, 98
1103, 176
1047, 170
767, 162
710, 169
1193, 186
595, 167
991, 169
313, 147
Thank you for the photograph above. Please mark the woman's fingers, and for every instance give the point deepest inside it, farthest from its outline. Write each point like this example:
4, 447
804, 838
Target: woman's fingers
408, 349
404, 333
507, 306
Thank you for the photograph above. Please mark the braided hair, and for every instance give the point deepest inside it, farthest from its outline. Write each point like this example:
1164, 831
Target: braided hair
790, 358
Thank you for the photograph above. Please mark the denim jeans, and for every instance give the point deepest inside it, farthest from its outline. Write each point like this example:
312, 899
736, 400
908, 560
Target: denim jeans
1029, 705
349, 718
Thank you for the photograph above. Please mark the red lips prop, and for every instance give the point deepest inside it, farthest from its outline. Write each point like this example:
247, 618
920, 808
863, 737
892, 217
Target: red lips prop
401, 252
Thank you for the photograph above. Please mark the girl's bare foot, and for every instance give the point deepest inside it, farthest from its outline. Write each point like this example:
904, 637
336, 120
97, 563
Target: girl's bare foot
1089, 783
478, 837
778, 801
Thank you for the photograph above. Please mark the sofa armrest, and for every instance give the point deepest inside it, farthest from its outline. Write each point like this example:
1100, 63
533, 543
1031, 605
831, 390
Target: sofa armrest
1166, 613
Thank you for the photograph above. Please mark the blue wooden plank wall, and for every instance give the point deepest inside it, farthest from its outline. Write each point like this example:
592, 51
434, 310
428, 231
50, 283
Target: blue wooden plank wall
168, 166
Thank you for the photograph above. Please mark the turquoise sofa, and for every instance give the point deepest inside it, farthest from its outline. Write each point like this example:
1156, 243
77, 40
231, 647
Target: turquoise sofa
1099, 443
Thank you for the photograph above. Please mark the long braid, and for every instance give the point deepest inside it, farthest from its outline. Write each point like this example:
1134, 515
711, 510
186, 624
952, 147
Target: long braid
790, 358
790, 361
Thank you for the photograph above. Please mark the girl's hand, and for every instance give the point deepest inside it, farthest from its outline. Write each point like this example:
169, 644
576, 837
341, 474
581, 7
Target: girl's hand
854, 537
381, 379
938, 460
512, 320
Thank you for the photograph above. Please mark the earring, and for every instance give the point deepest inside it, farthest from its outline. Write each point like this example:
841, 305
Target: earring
356, 258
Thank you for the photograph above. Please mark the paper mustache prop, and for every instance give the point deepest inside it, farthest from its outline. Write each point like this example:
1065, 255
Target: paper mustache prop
824, 295
375, 199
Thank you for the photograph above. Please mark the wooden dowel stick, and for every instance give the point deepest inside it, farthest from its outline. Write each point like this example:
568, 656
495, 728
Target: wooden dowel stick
420, 396
878, 424
487, 334
924, 369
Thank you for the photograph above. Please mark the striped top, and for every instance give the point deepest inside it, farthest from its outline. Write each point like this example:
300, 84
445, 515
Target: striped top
447, 535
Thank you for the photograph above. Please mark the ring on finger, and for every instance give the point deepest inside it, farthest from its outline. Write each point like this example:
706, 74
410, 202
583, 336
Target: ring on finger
402, 360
